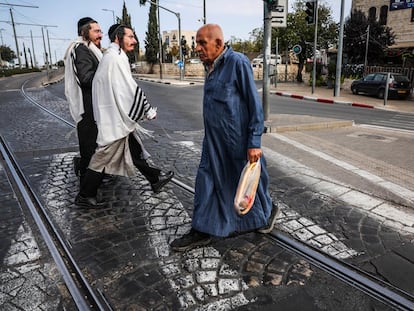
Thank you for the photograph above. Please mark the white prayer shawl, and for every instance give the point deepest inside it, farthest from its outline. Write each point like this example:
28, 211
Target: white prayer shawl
73, 90
118, 102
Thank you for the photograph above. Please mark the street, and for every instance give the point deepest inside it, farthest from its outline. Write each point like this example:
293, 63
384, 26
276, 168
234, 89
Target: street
345, 191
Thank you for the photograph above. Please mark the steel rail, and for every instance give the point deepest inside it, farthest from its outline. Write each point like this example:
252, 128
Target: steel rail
347, 273
22, 186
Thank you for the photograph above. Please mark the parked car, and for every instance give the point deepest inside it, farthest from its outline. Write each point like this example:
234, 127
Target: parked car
374, 85
194, 61
273, 60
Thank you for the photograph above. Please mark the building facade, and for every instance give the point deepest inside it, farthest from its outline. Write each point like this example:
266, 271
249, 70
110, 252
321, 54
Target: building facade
396, 14
170, 40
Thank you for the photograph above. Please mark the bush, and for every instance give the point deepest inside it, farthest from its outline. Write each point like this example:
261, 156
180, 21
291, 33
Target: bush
16, 71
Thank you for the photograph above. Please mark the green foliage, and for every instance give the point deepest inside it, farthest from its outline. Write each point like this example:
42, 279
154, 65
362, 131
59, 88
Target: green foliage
7, 54
355, 39
15, 71
152, 40
126, 20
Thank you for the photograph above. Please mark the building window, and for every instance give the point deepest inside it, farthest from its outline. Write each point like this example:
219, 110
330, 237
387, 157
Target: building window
383, 15
372, 14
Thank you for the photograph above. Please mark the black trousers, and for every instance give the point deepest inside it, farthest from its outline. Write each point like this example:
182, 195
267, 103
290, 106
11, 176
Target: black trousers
87, 134
92, 180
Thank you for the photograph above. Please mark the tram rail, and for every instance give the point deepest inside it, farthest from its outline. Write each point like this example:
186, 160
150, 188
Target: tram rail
355, 277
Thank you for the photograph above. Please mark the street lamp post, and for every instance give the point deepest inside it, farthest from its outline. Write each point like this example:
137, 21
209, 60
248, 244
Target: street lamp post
113, 13
179, 34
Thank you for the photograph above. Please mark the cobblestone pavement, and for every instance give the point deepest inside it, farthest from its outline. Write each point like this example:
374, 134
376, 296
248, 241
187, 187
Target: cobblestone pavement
29, 279
123, 247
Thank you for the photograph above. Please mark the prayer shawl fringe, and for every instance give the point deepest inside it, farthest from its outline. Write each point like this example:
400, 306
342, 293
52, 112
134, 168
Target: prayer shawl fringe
118, 101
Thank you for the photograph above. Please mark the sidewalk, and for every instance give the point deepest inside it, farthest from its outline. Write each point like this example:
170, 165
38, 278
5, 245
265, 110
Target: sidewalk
326, 95
302, 91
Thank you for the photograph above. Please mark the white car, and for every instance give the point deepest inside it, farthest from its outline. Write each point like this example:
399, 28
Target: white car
273, 60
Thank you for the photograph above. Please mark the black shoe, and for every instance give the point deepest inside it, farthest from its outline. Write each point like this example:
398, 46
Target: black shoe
88, 202
192, 239
76, 165
271, 221
163, 179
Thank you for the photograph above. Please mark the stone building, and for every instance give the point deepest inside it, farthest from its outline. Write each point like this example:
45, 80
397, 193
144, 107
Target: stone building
170, 41
396, 14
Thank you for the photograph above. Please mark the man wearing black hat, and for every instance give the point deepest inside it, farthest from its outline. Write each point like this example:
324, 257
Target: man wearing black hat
119, 105
81, 61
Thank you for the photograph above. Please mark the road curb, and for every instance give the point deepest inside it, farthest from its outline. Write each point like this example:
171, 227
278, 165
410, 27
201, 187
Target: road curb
307, 126
322, 100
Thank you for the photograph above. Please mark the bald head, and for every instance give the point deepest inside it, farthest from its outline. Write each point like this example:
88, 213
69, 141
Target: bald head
210, 43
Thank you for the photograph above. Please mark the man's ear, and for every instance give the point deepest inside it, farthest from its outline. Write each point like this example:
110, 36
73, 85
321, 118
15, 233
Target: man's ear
219, 42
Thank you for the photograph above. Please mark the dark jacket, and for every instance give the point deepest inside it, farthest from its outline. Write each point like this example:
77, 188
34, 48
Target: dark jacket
86, 64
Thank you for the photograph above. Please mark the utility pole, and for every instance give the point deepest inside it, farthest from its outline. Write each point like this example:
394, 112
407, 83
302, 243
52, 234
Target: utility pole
267, 19
33, 51
48, 43
14, 28
159, 37
46, 58
315, 42
366, 51
1, 35
339, 54
204, 12
15, 38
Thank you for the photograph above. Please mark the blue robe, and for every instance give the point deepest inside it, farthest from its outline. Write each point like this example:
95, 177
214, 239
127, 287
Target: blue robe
233, 122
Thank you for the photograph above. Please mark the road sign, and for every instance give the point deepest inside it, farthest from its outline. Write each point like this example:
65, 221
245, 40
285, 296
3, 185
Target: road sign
279, 13
180, 64
297, 49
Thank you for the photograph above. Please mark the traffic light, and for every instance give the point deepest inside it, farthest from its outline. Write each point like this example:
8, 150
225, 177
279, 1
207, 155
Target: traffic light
271, 3
310, 12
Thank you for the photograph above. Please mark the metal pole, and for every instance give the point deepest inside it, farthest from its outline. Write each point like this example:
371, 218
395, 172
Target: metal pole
387, 85
277, 57
315, 42
204, 12
33, 51
159, 39
179, 33
180, 47
267, 19
48, 43
339, 54
15, 39
366, 51
44, 48
1, 35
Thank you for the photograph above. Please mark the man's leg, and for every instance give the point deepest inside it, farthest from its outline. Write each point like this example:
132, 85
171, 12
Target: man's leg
155, 176
87, 133
89, 189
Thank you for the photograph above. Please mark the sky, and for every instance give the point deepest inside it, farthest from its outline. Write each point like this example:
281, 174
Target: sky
59, 18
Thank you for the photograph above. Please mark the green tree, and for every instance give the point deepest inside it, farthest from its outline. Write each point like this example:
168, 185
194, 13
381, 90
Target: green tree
126, 20
152, 47
298, 32
355, 36
7, 54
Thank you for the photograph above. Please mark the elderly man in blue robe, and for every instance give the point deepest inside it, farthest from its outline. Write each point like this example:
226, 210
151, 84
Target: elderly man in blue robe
233, 126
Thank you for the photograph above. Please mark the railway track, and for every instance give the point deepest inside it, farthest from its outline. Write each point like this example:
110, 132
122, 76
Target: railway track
88, 298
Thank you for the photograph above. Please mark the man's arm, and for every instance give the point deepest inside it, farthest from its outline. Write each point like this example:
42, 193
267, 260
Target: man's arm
85, 65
